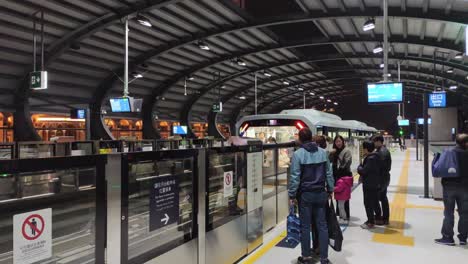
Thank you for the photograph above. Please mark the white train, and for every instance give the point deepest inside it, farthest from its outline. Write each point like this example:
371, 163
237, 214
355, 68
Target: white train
284, 126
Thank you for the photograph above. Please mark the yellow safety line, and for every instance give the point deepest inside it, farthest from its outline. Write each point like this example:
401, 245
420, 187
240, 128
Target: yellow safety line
394, 234
415, 206
264, 249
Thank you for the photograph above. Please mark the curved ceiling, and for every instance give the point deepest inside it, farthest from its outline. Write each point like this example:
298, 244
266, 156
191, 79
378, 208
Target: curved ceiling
309, 42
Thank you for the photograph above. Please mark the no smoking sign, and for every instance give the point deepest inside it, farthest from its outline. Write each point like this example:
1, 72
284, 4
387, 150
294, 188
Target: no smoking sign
32, 236
228, 188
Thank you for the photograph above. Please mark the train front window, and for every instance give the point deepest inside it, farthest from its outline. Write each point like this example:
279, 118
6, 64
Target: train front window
272, 134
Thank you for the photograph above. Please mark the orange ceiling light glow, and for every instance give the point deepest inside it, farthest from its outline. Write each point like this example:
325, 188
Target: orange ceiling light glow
58, 119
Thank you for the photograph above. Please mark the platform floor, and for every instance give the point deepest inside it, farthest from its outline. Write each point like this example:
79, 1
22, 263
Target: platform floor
415, 223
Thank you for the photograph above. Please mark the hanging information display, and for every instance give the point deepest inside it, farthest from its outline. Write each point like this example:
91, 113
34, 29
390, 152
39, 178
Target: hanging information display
164, 202
32, 236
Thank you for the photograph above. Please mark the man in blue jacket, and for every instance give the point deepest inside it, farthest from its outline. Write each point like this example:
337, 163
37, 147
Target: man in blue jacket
310, 183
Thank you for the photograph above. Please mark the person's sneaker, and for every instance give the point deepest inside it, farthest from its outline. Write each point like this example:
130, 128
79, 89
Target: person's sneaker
463, 242
445, 241
367, 225
302, 260
343, 221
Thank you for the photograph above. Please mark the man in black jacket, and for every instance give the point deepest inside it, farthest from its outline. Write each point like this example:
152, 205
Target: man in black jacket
383, 213
370, 177
456, 192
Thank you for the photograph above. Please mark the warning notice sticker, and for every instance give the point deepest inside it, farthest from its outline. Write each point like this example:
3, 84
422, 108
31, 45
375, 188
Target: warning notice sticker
32, 236
228, 183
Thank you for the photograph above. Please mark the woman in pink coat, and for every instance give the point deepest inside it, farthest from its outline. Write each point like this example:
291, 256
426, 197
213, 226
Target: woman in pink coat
342, 194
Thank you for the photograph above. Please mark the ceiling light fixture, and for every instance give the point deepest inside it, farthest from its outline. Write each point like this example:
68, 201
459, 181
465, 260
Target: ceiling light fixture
300, 88
382, 65
378, 49
240, 62
311, 93
137, 75
450, 70
242, 97
369, 25
285, 82
144, 21
321, 97
202, 45
266, 74
453, 87
328, 100
335, 103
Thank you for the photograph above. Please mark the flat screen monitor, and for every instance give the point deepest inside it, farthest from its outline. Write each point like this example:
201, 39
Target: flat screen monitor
380, 93
179, 130
421, 121
404, 122
437, 100
120, 105
78, 114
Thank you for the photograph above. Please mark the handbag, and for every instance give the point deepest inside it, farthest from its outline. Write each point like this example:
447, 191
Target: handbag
335, 235
293, 227
446, 165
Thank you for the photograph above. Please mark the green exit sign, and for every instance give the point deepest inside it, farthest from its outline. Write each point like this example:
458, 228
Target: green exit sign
218, 107
38, 80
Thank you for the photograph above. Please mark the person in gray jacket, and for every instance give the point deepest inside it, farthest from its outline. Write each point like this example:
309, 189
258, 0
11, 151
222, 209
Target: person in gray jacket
341, 159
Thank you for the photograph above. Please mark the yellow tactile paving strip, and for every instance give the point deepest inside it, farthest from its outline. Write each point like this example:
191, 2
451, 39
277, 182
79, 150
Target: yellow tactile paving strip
394, 234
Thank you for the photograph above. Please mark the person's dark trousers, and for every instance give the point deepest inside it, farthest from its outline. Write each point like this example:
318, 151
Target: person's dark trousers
455, 195
370, 203
383, 213
315, 236
313, 204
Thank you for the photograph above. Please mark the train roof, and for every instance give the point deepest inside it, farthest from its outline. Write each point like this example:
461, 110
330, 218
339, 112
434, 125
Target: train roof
311, 117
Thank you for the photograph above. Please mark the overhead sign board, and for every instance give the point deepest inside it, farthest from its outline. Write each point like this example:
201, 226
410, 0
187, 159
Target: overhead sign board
164, 202
378, 93
32, 236
217, 107
403, 122
38, 80
421, 121
437, 100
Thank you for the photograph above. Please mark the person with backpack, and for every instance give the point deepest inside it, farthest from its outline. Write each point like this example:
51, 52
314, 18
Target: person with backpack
455, 192
383, 208
310, 185
369, 173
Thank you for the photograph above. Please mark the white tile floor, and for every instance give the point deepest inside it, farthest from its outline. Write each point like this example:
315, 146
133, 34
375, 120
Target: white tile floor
423, 224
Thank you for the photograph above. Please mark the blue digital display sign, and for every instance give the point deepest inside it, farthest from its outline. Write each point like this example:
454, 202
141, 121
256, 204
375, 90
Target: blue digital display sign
179, 130
421, 121
437, 100
120, 105
404, 122
378, 93
78, 114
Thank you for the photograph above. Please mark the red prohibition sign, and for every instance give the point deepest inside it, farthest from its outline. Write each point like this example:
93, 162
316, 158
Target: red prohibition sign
36, 232
228, 179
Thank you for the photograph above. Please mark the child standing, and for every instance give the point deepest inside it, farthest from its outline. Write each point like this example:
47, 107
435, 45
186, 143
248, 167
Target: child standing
343, 194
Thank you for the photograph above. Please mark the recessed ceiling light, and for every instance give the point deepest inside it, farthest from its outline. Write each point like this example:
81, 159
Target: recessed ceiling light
267, 74
202, 45
369, 25
144, 21
378, 49
137, 75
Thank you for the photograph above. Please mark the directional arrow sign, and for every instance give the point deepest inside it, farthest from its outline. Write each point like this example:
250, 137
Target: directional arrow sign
164, 202
165, 219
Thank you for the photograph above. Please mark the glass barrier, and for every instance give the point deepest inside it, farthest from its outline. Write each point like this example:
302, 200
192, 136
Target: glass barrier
34, 150
7, 151
161, 196
50, 188
226, 201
